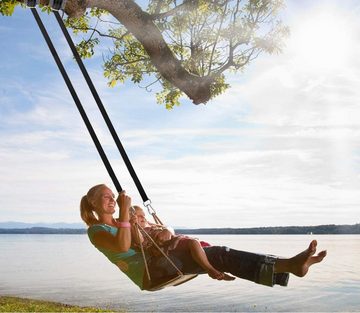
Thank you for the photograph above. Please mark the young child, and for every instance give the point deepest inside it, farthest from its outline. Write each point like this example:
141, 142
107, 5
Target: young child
167, 240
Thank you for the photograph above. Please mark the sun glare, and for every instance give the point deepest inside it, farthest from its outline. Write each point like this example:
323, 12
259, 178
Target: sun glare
321, 41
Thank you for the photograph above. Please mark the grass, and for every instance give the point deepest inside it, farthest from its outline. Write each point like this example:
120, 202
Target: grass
14, 304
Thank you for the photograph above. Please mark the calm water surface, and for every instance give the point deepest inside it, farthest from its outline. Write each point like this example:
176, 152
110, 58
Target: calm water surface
68, 269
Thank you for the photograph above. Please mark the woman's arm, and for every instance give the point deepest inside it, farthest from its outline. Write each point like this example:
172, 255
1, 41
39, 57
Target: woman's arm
122, 241
123, 235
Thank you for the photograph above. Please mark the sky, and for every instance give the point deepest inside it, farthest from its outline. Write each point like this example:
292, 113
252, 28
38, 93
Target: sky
280, 147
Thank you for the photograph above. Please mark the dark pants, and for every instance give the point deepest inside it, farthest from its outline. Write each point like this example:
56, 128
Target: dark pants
258, 268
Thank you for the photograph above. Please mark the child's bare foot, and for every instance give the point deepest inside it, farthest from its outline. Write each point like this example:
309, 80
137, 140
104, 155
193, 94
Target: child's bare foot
215, 274
300, 263
228, 277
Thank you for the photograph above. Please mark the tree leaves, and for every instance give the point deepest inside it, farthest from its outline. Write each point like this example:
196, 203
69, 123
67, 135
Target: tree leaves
207, 37
7, 7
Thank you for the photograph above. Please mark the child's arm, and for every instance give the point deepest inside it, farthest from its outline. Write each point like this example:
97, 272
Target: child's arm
136, 237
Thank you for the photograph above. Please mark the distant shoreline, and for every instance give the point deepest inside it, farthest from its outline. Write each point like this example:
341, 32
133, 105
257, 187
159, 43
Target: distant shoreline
280, 230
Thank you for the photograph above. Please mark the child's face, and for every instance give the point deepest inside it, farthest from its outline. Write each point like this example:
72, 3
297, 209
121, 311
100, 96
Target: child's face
141, 217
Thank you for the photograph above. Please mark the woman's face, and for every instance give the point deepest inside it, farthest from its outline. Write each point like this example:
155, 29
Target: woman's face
106, 201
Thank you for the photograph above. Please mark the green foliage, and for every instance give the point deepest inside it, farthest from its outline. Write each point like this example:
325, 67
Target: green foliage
95, 12
209, 38
86, 47
170, 96
12, 304
219, 86
78, 25
7, 7
129, 60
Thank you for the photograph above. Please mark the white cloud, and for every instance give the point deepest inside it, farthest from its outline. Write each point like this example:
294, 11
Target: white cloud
281, 148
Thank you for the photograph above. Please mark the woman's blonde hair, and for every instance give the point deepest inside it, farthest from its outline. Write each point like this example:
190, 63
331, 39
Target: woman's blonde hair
88, 205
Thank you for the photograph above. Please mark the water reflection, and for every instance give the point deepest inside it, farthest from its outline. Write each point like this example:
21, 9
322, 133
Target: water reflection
67, 268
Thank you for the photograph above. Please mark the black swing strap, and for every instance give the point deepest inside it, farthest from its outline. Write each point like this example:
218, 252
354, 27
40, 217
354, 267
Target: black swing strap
77, 101
181, 278
102, 110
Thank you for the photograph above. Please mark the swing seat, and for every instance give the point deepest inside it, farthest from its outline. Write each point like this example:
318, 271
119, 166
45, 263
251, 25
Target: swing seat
179, 278
176, 281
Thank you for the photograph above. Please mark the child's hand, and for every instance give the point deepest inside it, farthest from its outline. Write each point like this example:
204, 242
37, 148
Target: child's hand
133, 219
163, 236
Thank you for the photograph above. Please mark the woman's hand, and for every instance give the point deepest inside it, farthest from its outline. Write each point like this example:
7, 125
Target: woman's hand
123, 201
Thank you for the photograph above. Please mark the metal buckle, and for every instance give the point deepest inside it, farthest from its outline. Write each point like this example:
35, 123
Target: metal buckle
31, 3
149, 207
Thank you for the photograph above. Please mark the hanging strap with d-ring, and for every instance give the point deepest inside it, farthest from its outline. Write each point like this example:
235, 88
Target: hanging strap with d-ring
102, 108
107, 120
77, 101
90, 128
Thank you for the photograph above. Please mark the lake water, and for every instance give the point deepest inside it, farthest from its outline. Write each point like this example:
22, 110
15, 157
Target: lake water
68, 269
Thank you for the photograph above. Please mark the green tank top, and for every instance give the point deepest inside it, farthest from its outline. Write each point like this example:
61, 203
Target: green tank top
130, 263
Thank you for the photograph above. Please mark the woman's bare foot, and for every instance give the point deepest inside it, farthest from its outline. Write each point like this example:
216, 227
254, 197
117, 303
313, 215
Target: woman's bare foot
300, 263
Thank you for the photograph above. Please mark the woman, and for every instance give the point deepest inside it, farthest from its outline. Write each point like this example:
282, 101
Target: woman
113, 238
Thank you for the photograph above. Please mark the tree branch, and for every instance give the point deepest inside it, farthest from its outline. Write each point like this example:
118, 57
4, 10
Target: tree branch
216, 40
140, 24
149, 85
99, 33
186, 5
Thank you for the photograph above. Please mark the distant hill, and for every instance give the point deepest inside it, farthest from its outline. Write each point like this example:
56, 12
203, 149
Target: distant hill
283, 230
44, 231
21, 225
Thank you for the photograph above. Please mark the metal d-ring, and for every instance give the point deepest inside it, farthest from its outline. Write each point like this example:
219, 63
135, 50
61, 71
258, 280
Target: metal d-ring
31, 3
149, 207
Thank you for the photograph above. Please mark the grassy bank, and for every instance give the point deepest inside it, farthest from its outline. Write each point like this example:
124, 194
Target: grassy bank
14, 304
